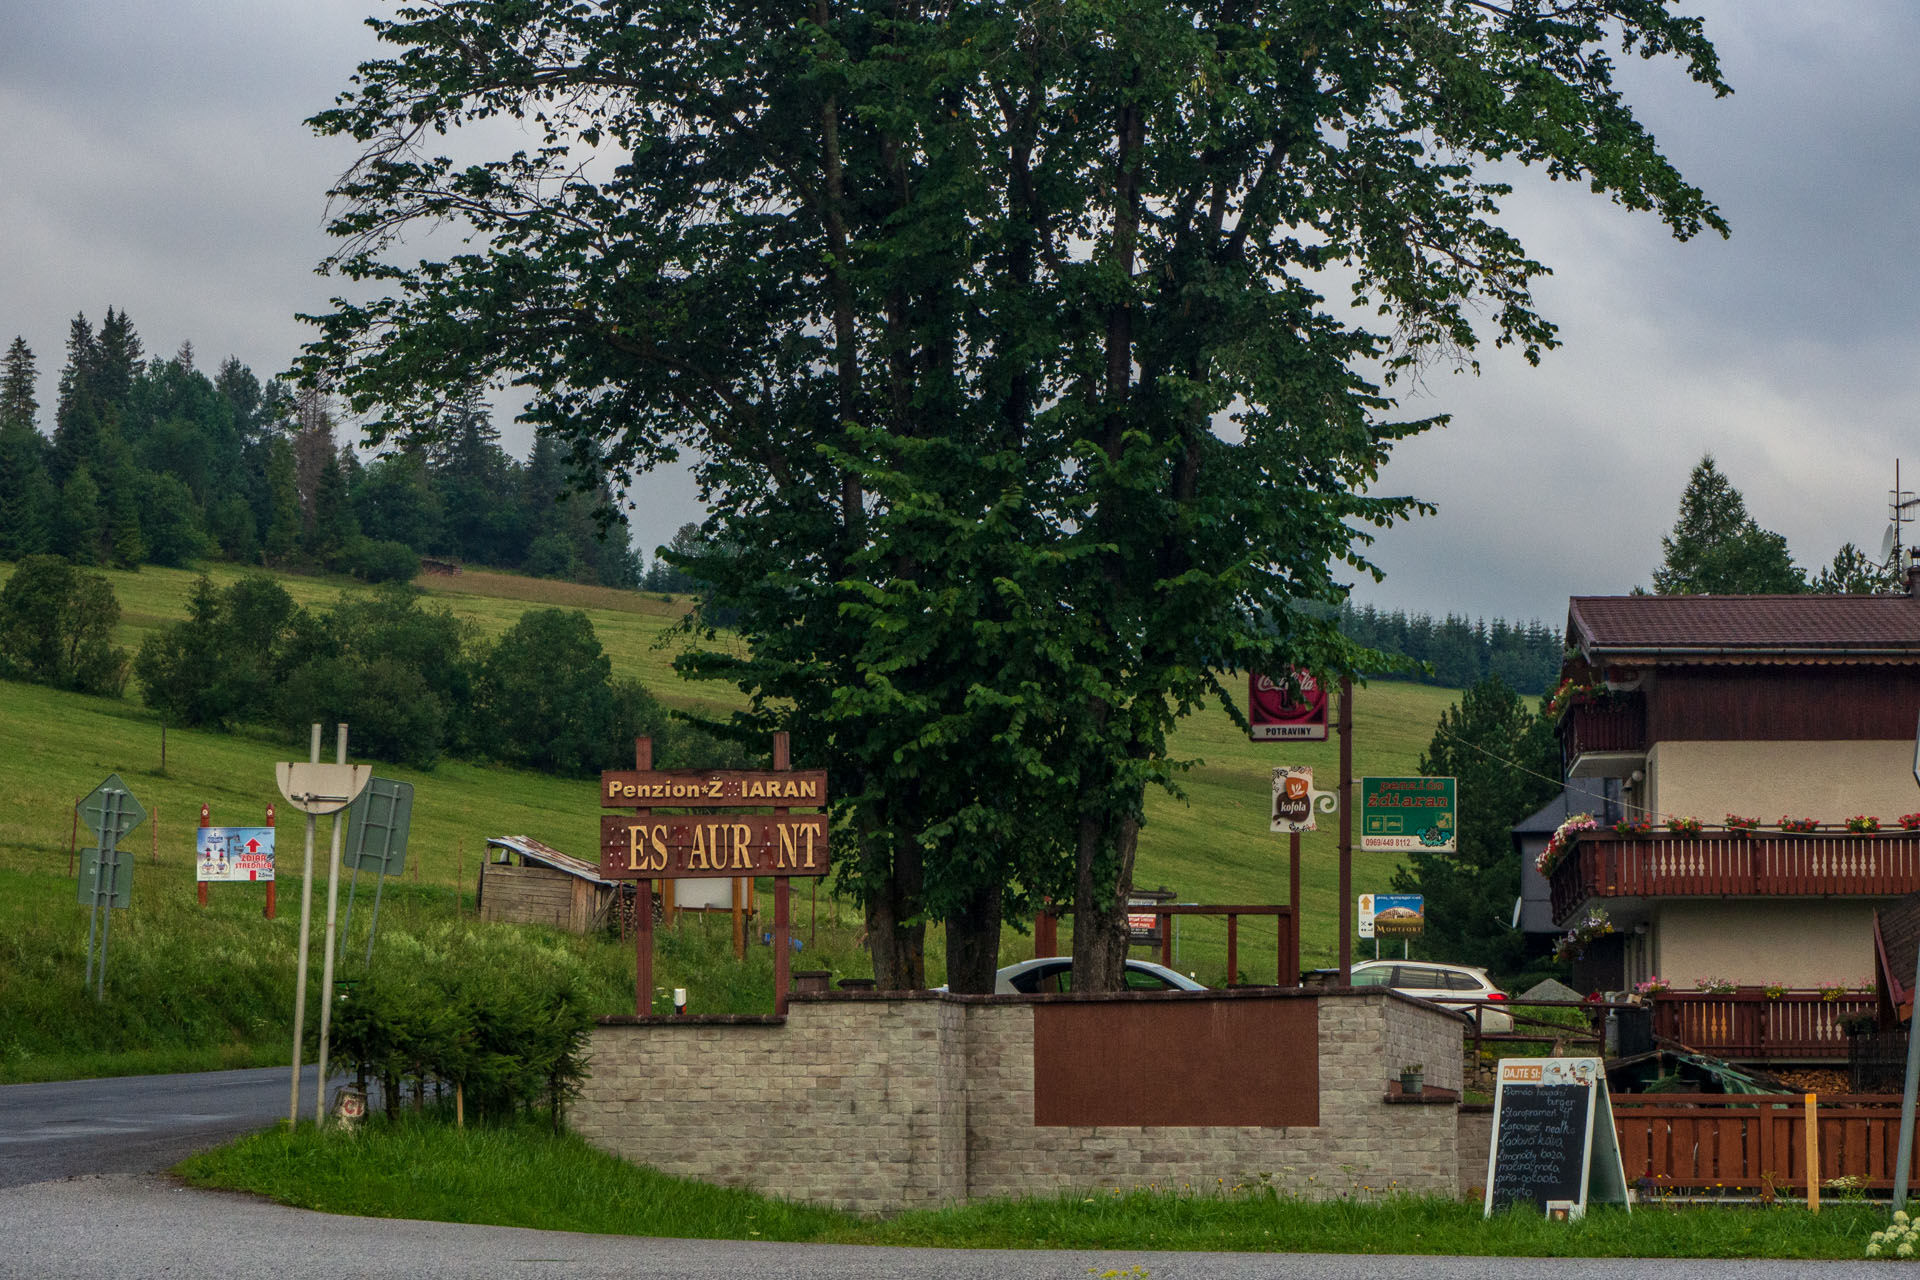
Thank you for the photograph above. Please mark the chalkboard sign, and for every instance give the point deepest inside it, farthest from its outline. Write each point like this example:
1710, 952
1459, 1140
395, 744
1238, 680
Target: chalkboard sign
1554, 1145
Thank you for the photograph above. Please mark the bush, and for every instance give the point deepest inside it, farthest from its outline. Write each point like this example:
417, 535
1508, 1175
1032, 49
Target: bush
56, 627
227, 660
509, 1048
376, 560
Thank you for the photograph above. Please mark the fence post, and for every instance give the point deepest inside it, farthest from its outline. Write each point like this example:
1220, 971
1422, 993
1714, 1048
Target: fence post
1813, 1152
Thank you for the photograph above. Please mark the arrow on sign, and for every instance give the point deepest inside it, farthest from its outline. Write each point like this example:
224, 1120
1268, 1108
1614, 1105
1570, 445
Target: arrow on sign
253, 846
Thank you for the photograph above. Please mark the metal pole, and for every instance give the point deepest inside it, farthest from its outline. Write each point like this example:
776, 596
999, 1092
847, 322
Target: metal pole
1903, 1166
1346, 831
373, 927
326, 964
300, 968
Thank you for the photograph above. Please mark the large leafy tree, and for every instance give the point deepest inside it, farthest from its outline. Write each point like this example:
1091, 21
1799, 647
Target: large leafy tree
998, 330
1717, 548
1851, 573
1505, 761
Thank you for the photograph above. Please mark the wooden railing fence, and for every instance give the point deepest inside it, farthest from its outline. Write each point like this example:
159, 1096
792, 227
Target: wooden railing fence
1753, 1144
1763, 864
1796, 1026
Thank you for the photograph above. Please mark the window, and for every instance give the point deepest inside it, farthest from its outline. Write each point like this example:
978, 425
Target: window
1380, 977
1141, 980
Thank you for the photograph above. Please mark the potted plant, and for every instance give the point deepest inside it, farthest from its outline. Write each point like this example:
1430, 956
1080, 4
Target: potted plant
1799, 824
1775, 990
1653, 986
1910, 822
1862, 824
1743, 825
1413, 1079
1632, 827
1684, 826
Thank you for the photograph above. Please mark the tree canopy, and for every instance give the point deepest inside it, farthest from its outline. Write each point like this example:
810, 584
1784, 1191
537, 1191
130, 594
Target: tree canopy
999, 334
1717, 548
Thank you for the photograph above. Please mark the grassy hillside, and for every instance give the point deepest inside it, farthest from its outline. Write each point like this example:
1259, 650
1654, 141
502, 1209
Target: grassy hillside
1212, 845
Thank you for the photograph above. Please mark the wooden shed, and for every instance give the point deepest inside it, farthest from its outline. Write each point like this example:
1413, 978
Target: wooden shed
525, 882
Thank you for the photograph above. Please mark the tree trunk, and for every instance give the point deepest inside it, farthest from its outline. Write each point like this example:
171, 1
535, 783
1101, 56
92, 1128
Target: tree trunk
896, 931
1100, 932
973, 943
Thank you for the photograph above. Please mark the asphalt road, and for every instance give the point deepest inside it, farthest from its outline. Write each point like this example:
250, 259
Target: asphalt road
134, 1124
82, 1195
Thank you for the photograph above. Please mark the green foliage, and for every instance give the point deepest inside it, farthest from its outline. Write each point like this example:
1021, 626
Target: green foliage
376, 561
27, 497
999, 332
1851, 573
170, 521
544, 696
78, 524
1716, 548
227, 662
56, 627
1506, 761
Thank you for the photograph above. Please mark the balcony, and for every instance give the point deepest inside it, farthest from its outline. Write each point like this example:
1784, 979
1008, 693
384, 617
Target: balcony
1604, 738
1729, 864
1797, 1026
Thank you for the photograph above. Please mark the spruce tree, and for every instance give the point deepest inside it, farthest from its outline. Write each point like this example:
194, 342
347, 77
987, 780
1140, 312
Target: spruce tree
79, 527
76, 418
26, 493
1717, 548
1505, 762
282, 518
18, 407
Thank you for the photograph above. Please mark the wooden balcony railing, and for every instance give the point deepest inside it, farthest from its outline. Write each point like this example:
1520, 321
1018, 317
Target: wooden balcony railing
1617, 724
1798, 1026
1745, 1145
1718, 864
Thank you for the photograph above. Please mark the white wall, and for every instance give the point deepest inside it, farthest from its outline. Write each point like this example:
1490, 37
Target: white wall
1831, 781
1796, 943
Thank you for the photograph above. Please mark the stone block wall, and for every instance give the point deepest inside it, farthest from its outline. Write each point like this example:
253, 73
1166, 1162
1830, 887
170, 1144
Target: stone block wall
877, 1104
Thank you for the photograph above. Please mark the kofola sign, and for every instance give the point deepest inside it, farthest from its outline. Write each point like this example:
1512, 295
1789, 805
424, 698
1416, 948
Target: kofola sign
690, 846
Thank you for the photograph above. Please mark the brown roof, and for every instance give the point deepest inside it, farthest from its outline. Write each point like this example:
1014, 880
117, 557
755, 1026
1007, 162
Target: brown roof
1795, 628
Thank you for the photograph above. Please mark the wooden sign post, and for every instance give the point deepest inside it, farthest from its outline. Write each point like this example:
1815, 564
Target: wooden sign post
703, 845
1554, 1145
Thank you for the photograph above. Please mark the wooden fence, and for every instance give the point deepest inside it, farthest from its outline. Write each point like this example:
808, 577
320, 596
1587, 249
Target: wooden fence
1799, 1026
1730, 1144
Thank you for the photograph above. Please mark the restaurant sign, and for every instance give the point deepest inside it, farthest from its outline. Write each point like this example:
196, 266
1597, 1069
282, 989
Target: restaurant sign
651, 845
1398, 814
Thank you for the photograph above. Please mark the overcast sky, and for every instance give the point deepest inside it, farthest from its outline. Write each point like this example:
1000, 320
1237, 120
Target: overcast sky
154, 160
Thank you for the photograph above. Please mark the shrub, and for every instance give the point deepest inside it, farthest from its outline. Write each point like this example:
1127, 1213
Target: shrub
56, 627
378, 560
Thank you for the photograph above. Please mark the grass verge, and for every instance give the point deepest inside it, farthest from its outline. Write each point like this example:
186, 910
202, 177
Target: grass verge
526, 1176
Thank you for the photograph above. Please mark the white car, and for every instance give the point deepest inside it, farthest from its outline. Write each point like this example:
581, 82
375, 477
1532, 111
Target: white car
1447, 984
1055, 973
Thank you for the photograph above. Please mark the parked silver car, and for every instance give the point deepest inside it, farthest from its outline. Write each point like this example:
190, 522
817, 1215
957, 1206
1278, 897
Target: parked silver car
1447, 984
1055, 973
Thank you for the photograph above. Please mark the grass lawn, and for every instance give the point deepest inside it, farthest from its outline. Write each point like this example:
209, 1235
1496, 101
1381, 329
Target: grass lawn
527, 1177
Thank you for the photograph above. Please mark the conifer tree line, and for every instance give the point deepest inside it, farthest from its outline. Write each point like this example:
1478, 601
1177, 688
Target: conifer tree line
153, 461
1459, 653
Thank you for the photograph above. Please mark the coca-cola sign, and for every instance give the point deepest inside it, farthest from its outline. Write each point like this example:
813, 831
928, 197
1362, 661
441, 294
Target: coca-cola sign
1277, 713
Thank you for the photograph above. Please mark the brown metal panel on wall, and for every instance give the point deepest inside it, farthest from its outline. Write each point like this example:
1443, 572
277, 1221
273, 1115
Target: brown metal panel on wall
1783, 704
1177, 1061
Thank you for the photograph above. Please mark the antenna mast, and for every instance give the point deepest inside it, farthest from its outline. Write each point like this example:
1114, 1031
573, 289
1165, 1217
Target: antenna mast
1900, 505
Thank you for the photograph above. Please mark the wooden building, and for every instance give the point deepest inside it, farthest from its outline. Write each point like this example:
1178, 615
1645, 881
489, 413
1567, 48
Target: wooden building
525, 882
1757, 755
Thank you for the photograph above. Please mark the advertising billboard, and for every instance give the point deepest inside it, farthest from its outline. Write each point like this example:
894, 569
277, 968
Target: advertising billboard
1276, 715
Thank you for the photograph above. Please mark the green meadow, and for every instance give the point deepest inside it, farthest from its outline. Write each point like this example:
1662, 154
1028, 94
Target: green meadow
1210, 844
